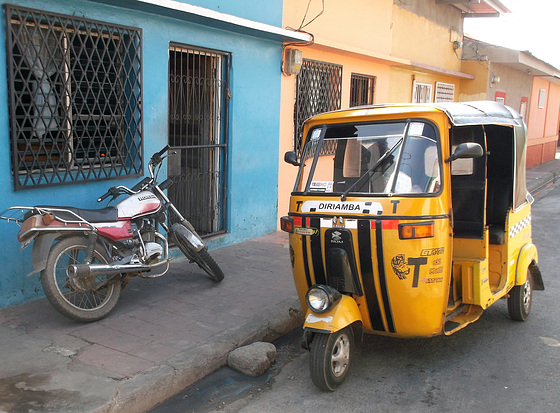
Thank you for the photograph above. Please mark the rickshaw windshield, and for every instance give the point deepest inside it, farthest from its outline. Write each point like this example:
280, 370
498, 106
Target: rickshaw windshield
375, 158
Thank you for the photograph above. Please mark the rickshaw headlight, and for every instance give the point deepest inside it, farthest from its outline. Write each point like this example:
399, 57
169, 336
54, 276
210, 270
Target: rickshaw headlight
321, 298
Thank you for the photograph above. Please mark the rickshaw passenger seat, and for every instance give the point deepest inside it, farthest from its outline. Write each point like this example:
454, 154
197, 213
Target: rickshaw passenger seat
498, 201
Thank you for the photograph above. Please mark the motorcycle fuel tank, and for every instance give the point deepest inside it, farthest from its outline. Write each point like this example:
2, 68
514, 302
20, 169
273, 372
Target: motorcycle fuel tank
142, 203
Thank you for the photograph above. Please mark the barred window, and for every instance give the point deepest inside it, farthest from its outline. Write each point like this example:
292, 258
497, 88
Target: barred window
74, 98
445, 92
318, 89
421, 92
361, 90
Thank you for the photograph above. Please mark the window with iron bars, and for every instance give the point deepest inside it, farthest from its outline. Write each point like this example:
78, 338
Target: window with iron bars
445, 92
318, 89
361, 90
421, 92
74, 98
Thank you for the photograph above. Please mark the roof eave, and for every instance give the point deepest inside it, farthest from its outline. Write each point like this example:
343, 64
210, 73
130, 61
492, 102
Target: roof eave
203, 16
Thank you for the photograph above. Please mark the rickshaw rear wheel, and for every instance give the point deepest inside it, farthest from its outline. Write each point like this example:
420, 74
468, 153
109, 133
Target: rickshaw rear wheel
330, 358
520, 298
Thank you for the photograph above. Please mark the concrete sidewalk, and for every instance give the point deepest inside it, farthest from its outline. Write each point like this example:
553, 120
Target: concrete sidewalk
164, 334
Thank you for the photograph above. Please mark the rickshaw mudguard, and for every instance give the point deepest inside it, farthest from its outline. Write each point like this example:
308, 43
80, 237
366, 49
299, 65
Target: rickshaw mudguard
527, 260
343, 314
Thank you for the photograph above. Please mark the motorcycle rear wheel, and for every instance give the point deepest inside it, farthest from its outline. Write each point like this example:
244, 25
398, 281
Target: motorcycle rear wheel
202, 257
84, 299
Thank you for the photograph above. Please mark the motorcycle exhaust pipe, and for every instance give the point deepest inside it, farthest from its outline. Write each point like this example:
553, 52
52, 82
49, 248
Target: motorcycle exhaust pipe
88, 270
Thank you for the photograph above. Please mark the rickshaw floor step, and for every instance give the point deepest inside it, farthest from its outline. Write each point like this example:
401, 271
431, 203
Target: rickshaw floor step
462, 317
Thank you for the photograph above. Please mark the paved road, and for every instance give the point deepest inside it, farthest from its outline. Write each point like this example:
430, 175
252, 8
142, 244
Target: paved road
494, 365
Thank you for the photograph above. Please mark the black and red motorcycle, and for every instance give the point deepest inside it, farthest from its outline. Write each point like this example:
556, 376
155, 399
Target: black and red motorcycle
87, 256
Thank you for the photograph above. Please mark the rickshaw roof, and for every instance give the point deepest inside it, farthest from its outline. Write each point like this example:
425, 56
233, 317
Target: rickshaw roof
459, 113
484, 112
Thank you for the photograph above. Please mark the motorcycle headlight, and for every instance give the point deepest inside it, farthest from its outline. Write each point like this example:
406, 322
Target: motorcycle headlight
320, 298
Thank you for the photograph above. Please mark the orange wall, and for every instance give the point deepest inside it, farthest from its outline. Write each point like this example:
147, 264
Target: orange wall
473, 89
351, 64
361, 24
370, 38
355, 34
542, 125
428, 41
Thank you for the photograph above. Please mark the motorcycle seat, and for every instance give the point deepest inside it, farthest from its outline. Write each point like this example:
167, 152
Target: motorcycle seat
108, 214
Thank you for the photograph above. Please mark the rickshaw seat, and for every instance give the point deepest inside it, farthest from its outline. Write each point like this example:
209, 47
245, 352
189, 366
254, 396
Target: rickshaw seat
496, 235
498, 201
468, 209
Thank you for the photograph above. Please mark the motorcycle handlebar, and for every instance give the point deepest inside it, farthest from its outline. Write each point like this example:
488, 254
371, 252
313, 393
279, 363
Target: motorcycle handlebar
104, 196
160, 153
154, 161
156, 157
114, 191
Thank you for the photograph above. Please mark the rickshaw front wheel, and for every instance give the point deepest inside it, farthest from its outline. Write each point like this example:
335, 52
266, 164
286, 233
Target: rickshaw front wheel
330, 358
519, 300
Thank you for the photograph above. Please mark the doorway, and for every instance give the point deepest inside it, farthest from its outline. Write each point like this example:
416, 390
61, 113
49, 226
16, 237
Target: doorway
198, 95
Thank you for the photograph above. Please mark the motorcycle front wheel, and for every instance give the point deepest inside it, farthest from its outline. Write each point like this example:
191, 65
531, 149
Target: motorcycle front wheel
202, 257
83, 299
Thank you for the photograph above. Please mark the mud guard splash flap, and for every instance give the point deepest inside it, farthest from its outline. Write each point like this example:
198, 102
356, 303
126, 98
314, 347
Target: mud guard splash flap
538, 283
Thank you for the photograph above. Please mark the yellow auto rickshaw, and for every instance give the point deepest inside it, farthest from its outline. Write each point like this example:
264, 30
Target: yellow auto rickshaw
408, 221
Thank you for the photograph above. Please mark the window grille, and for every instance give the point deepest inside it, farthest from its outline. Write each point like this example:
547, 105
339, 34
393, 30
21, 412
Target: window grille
198, 96
421, 92
445, 92
318, 89
74, 98
361, 90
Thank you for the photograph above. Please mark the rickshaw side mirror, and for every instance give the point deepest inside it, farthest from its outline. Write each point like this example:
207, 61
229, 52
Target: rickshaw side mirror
466, 150
291, 158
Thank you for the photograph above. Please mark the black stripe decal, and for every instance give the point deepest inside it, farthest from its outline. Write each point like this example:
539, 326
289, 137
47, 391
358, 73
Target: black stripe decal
304, 252
382, 276
317, 253
364, 241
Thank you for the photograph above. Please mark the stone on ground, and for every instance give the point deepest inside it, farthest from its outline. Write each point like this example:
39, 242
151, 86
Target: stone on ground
253, 359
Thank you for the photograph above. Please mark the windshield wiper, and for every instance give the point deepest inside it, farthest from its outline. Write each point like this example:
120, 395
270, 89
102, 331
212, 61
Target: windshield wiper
377, 164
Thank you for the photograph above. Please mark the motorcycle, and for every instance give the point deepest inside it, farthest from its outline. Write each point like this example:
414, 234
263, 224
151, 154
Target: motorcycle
87, 256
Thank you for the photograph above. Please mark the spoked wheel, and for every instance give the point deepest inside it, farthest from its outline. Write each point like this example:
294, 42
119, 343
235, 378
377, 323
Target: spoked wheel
520, 298
202, 257
330, 359
82, 299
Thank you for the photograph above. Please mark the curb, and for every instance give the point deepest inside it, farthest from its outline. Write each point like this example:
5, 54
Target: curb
539, 184
146, 390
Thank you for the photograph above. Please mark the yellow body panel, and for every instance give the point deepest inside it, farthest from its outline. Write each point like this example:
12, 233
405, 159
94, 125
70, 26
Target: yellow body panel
346, 312
417, 287
412, 293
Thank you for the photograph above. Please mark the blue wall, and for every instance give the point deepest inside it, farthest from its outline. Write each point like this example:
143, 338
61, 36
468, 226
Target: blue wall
269, 12
253, 129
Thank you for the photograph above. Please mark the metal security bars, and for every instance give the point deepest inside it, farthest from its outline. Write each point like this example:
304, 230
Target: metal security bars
421, 92
318, 89
361, 90
198, 95
445, 92
74, 98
